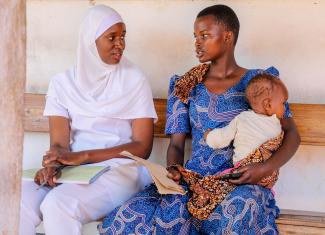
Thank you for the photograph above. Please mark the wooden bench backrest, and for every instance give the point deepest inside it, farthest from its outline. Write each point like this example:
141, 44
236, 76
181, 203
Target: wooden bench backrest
308, 117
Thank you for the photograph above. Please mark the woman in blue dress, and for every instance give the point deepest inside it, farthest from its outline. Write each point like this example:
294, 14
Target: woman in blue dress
208, 96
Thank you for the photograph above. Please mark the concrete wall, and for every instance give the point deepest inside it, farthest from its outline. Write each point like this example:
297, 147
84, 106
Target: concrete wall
287, 34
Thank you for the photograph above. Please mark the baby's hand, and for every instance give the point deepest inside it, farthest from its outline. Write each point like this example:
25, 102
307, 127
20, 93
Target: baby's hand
206, 133
174, 175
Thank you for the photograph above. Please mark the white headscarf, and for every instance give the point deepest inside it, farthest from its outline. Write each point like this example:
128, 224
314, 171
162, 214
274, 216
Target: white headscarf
94, 88
92, 72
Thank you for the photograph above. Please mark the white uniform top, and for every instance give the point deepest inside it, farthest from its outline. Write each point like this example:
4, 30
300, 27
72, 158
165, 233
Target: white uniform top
248, 130
109, 124
91, 132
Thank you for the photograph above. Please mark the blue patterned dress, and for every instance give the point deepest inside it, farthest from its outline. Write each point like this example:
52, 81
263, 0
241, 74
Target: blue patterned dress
249, 209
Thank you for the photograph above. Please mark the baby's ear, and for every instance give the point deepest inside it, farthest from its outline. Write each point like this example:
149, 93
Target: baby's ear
267, 105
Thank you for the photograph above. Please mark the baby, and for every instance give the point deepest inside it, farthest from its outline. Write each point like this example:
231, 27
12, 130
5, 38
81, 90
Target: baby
267, 96
256, 133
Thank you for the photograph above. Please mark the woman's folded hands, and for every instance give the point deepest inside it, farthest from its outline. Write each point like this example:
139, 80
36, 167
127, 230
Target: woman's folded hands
60, 156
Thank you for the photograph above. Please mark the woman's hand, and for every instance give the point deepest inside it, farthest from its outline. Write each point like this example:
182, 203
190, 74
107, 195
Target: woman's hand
48, 175
61, 156
174, 175
252, 174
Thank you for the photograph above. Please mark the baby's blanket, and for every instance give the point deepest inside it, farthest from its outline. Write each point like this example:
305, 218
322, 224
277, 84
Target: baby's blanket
209, 191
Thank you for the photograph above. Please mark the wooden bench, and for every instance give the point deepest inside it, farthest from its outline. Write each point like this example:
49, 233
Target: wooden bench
308, 117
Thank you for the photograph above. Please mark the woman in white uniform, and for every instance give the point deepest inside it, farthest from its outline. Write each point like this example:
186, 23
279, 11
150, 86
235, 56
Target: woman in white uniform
96, 109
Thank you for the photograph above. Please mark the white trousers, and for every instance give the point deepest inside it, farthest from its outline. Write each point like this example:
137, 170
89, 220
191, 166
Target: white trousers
66, 207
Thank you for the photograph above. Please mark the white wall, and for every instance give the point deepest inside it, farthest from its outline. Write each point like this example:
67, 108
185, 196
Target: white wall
285, 33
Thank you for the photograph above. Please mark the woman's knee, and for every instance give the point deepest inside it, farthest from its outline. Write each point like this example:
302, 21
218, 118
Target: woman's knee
56, 204
49, 204
251, 191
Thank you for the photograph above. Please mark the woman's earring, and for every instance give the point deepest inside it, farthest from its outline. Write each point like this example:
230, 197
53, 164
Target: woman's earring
228, 37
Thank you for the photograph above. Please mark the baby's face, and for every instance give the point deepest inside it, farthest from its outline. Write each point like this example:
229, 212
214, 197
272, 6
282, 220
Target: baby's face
278, 100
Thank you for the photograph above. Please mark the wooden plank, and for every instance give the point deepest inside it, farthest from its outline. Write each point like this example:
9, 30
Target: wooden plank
34, 119
12, 85
310, 122
36, 122
300, 213
302, 218
160, 106
286, 229
308, 117
301, 222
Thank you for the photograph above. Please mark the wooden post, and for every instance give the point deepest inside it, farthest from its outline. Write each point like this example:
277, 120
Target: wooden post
12, 85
